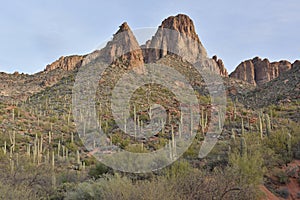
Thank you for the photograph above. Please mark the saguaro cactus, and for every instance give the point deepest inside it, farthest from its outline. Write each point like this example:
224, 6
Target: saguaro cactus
72, 138
28, 150
268, 124
234, 111
78, 157
4, 148
243, 129
289, 144
173, 142
49, 137
203, 120
13, 114
135, 121
243, 147
58, 149
260, 125
192, 124
233, 135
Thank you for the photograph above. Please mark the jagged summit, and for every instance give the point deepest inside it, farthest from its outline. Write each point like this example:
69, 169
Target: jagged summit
123, 27
175, 35
181, 23
124, 47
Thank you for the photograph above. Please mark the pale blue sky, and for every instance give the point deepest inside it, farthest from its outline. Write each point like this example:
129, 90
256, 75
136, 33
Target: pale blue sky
35, 33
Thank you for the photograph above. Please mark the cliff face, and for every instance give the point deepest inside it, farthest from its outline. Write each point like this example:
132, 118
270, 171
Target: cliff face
220, 66
124, 47
176, 35
257, 71
65, 63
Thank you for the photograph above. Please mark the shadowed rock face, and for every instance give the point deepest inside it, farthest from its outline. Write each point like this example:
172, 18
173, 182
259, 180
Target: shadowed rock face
296, 64
258, 71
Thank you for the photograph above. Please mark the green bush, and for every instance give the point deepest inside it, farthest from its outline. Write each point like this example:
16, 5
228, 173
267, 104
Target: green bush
282, 177
98, 170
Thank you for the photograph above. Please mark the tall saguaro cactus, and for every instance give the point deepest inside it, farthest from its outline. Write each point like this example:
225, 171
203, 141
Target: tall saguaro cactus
135, 121
260, 125
13, 114
243, 129
173, 143
289, 144
243, 147
203, 120
268, 124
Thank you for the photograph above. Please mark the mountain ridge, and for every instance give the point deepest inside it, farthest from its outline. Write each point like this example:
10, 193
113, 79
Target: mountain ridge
125, 48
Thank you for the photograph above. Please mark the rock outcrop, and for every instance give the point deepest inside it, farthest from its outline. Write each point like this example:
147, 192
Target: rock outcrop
221, 67
296, 64
123, 48
281, 90
176, 35
67, 63
257, 71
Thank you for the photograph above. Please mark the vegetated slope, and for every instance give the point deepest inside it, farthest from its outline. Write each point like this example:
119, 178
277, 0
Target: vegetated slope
18, 87
253, 141
283, 89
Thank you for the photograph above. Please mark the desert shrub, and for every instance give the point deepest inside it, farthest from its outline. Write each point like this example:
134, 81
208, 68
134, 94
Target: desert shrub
8, 191
250, 164
282, 177
108, 187
34, 180
98, 170
178, 168
279, 143
193, 151
136, 148
67, 177
180, 181
284, 193
219, 184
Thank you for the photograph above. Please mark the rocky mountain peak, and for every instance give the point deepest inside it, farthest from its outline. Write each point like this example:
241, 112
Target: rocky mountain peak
176, 35
123, 48
123, 27
181, 23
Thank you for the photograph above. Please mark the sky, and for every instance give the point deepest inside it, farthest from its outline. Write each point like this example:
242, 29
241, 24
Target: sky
35, 33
